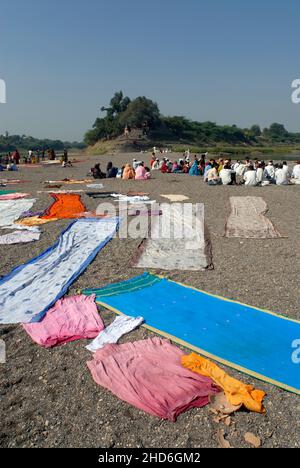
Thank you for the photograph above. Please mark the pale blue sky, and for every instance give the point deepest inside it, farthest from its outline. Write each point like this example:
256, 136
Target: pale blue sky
226, 61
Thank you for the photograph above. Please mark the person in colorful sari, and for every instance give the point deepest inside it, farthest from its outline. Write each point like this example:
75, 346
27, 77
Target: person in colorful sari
128, 173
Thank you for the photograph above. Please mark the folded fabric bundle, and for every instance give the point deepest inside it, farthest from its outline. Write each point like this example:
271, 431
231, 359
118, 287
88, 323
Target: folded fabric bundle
121, 326
247, 219
148, 374
14, 196
236, 392
32, 288
19, 237
71, 319
65, 206
251, 340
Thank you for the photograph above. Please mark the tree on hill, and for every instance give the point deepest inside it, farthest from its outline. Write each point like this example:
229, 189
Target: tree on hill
141, 111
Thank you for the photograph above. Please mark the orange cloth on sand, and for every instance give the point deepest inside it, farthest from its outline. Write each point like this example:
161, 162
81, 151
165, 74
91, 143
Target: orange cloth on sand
236, 392
34, 221
65, 206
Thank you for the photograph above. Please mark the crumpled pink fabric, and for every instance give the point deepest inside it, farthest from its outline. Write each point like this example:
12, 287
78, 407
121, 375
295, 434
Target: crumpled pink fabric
71, 319
148, 374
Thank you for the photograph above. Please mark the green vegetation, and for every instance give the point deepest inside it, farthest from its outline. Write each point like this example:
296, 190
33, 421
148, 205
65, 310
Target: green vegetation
178, 130
26, 143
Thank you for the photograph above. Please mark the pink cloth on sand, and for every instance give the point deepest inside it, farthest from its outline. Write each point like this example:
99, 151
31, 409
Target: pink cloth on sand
70, 319
148, 374
13, 196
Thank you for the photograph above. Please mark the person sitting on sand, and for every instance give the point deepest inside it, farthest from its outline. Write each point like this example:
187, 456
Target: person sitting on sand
281, 177
250, 176
270, 172
128, 173
260, 174
296, 171
226, 175
65, 159
155, 166
194, 170
111, 171
164, 168
153, 160
141, 173
213, 175
97, 173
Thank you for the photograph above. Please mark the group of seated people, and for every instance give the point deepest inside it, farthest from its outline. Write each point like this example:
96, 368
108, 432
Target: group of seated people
183, 166
226, 172
250, 173
136, 171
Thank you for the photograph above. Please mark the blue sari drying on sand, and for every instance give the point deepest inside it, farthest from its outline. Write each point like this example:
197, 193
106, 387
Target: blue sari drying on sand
251, 340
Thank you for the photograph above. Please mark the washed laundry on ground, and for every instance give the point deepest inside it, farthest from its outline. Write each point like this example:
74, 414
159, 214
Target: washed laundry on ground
175, 198
19, 237
11, 210
31, 289
178, 241
121, 326
65, 206
14, 196
236, 391
247, 219
254, 341
148, 374
70, 319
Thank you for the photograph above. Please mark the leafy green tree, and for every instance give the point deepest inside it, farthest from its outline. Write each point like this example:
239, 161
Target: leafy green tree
139, 112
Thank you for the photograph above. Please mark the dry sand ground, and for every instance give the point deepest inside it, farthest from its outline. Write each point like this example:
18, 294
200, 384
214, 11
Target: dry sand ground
48, 398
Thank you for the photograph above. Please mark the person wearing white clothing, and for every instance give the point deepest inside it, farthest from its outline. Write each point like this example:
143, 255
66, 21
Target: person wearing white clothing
270, 171
286, 169
226, 175
250, 177
296, 171
281, 176
260, 175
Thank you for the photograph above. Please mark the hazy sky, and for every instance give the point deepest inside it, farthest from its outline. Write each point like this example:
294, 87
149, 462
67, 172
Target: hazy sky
227, 61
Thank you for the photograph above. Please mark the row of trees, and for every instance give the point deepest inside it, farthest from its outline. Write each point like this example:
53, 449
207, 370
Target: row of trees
13, 142
142, 111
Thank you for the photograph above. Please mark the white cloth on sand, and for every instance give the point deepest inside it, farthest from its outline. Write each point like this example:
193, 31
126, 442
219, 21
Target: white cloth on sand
11, 210
29, 291
19, 237
121, 326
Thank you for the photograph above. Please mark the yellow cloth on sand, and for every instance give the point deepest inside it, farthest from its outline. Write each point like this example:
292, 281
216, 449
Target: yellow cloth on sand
236, 392
34, 221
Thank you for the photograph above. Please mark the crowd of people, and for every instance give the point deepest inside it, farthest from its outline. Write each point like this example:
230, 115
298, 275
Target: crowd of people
11, 161
136, 171
214, 172
226, 172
